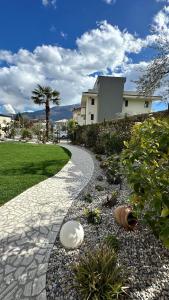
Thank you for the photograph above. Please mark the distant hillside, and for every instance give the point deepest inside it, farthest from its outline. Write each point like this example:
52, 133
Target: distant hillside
56, 113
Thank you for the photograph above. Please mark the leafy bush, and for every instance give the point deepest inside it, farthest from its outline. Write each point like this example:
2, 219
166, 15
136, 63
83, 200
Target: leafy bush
146, 163
112, 242
71, 129
88, 198
91, 135
93, 216
115, 143
97, 275
26, 134
113, 170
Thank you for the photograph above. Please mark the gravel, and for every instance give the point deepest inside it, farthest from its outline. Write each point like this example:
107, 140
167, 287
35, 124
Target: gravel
142, 256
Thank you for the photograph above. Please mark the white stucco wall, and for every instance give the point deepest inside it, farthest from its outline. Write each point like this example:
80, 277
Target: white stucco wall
79, 118
91, 109
136, 107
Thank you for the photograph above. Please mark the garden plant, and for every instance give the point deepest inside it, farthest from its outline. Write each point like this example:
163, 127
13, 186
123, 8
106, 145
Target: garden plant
146, 164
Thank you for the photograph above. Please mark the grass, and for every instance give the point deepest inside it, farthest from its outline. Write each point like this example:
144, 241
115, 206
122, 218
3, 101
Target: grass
24, 165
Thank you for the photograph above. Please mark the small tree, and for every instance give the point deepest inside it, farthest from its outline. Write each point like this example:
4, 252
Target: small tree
71, 126
156, 74
26, 134
43, 96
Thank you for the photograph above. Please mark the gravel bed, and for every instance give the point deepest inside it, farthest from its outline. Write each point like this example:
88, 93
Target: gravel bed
144, 259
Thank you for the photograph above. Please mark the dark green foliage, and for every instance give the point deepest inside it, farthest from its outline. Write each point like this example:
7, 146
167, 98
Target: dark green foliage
99, 188
112, 242
97, 276
115, 143
146, 163
26, 134
88, 198
113, 170
108, 137
91, 136
93, 216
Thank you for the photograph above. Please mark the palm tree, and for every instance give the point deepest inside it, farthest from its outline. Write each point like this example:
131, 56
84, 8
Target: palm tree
45, 95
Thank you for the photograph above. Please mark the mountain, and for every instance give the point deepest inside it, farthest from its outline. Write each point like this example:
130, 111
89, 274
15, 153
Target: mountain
7, 109
56, 113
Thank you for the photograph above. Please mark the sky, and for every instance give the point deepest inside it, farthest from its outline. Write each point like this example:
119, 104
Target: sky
66, 43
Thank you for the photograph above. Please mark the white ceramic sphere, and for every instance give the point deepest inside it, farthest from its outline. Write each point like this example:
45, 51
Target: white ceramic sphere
71, 235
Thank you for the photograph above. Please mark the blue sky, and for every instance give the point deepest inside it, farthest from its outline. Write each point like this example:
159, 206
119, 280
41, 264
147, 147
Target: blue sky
63, 42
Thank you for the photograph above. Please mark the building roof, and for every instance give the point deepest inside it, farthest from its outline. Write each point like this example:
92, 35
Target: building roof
135, 94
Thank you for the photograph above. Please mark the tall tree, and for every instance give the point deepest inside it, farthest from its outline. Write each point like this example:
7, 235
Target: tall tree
157, 73
43, 95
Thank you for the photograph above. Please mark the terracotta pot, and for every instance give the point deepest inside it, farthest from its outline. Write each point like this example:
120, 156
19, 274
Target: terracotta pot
124, 217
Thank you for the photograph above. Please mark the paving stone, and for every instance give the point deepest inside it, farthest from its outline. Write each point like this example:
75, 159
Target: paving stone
19, 293
39, 285
7, 290
19, 272
18, 261
9, 269
10, 295
27, 260
31, 274
42, 268
28, 289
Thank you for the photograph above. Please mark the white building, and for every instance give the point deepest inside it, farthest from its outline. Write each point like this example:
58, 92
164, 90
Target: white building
61, 125
108, 100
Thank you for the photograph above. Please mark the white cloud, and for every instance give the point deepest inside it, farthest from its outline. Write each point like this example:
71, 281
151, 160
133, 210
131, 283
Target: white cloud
110, 1
105, 48
49, 2
63, 34
167, 1
66, 70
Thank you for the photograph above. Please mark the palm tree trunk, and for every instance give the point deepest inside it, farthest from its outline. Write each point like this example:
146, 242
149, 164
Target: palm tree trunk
47, 119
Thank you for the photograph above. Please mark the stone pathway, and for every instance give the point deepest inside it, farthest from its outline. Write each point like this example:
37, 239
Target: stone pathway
29, 224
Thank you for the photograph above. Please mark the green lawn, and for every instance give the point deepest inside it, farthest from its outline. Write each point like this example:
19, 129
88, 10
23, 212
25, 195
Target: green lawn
24, 165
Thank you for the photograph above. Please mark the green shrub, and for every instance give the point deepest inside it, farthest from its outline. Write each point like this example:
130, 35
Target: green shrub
88, 198
97, 276
26, 134
112, 242
113, 170
146, 163
100, 143
115, 143
91, 135
93, 216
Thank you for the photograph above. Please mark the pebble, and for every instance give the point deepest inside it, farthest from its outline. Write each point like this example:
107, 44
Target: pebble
143, 258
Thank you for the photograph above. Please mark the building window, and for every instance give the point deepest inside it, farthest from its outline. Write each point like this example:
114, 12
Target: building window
92, 117
146, 104
126, 103
92, 101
